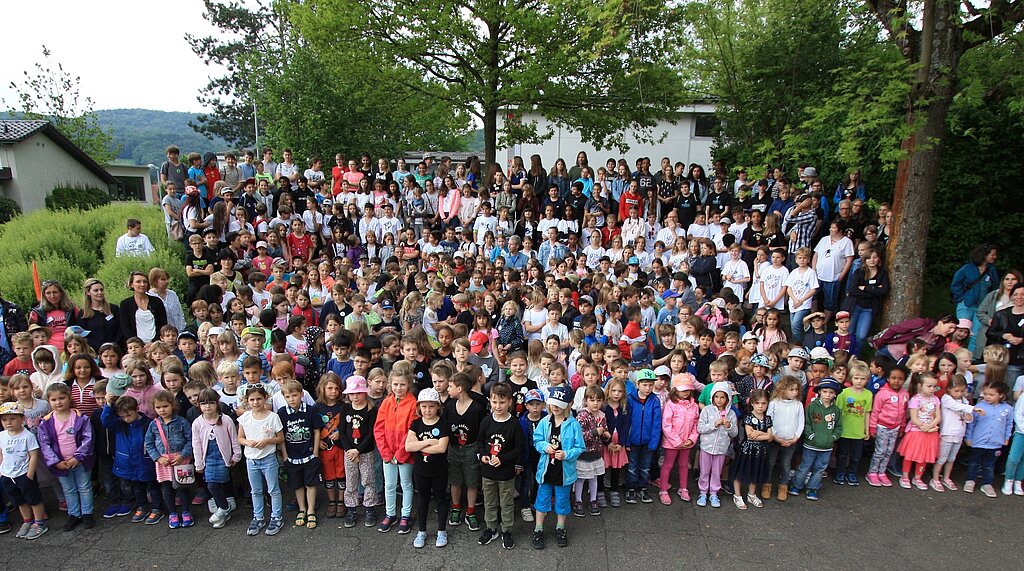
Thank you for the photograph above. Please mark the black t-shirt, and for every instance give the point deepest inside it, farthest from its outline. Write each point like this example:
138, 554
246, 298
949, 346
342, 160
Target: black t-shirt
395, 324
554, 473
327, 414
464, 428
426, 464
199, 263
357, 428
421, 374
298, 430
687, 206
504, 439
519, 395
718, 201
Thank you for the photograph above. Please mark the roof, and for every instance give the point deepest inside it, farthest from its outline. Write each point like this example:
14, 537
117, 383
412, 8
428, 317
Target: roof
14, 131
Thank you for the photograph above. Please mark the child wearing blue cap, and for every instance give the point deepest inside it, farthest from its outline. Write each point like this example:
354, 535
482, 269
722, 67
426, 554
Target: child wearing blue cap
822, 429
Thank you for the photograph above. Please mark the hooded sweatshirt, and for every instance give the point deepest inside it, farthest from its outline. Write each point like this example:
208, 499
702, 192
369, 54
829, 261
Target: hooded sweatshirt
889, 409
715, 440
679, 423
39, 380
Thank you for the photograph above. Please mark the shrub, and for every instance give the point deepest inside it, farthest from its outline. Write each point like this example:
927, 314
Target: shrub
16, 279
8, 209
114, 272
77, 198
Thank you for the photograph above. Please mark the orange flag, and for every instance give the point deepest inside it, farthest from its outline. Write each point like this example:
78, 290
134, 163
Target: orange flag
35, 282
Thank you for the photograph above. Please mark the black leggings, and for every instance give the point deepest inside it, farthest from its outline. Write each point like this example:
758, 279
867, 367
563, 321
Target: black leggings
219, 491
425, 487
613, 479
183, 493
139, 494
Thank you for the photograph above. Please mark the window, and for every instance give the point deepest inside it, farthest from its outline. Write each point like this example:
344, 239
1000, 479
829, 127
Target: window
130, 188
705, 125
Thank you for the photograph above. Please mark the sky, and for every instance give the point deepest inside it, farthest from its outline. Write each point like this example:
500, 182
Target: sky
129, 53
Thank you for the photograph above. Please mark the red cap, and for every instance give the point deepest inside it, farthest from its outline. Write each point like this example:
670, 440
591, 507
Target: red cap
477, 341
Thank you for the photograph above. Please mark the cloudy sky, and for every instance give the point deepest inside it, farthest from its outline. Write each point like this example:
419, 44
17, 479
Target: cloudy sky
129, 53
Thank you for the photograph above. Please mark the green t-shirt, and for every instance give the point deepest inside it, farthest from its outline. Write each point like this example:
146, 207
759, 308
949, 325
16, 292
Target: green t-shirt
855, 408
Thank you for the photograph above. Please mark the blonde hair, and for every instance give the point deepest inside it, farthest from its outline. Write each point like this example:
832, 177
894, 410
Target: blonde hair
203, 372
226, 368
857, 367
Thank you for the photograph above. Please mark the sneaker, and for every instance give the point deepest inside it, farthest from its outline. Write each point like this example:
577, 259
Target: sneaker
1018, 489
561, 539
507, 541
23, 530
350, 518
715, 502
702, 500
36, 530
404, 525
812, 495
455, 517
254, 527
665, 498
527, 514
123, 510
894, 472
988, 490
684, 494
472, 522
595, 508
873, 480
225, 516
211, 504
72, 522
851, 479
839, 479
602, 500
201, 496
62, 506
387, 523
884, 480
88, 522
487, 536
232, 504
538, 539
795, 490
949, 484
919, 484
139, 516
420, 540
173, 521
615, 500
186, 519
644, 496
738, 500
1008, 488
905, 482
154, 517
111, 512
442, 539
754, 501
936, 485
630, 496
4, 527
370, 517
577, 509
216, 517
275, 527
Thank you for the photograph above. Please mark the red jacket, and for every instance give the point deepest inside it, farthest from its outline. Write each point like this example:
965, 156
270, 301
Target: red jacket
392, 427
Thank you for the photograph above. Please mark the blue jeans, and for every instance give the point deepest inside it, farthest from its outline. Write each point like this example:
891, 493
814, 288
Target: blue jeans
830, 295
264, 469
638, 472
983, 460
77, 486
1014, 468
965, 312
796, 324
393, 473
814, 463
860, 324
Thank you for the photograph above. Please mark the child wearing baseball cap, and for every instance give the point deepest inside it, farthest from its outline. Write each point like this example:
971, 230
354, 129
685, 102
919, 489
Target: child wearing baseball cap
19, 469
559, 440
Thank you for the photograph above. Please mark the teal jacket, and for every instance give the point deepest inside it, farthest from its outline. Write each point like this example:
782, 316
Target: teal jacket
572, 443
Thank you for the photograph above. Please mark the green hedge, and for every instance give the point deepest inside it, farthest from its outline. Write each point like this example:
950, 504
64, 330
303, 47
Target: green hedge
77, 198
72, 245
8, 209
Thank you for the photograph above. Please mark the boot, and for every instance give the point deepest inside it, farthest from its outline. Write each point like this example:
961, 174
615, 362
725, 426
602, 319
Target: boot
766, 491
783, 492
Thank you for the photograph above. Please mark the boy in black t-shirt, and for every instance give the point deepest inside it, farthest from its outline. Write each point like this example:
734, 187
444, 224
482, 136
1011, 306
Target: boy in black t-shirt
428, 441
501, 446
463, 415
302, 427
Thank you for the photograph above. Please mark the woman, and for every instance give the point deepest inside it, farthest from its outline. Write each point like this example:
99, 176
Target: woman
56, 311
142, 315
559, 177
537, 175
868, 288
995, 301
159, 279
1007, 329
99, 317
668, 191
852, 188
699, 182
577, 169
971, 283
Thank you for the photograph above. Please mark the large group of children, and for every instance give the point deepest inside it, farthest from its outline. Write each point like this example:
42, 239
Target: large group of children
499, 390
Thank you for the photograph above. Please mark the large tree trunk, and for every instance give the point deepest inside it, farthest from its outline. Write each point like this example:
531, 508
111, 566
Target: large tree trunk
490, 138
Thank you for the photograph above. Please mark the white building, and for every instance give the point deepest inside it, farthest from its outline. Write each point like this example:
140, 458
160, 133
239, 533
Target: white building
687, 139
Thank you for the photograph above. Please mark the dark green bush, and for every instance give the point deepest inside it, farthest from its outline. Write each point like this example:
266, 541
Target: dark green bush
8, 209
77, 198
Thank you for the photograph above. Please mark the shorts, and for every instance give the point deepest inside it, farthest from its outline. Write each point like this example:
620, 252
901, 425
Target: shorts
21, 490
948, 450
302, 475
463, 466
560, 494
333, 463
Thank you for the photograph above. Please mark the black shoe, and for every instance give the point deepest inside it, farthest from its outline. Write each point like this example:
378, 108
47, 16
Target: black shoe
630, 496
538, 539
88, 521
507, 541
561, 539
644, 497
488, 536
4, 527
370, 518
577, 509
350, 518
72, 522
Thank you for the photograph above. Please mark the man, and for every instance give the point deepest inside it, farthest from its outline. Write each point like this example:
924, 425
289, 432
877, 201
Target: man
516, 258
173, 170
269, 166
799, 224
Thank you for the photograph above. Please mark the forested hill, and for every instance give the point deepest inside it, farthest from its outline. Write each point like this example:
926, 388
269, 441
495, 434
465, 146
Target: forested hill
144, 134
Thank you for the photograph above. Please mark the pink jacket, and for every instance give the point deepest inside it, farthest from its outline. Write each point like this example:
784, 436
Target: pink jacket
889, 409
224, 433
679, 423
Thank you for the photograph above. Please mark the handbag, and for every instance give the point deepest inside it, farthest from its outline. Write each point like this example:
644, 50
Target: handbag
183, 474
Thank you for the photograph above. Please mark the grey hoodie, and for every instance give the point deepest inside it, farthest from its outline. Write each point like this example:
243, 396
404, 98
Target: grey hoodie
717, 440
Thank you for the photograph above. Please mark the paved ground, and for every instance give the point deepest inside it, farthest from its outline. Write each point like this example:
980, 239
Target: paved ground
849, 528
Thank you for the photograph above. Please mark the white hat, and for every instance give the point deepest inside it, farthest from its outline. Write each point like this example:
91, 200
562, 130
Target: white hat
428, 395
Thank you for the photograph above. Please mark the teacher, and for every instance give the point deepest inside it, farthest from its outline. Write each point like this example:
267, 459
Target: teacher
1007, 329
99, 317
142, 315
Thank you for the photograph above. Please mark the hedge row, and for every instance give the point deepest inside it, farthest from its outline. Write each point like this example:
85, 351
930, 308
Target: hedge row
72, 245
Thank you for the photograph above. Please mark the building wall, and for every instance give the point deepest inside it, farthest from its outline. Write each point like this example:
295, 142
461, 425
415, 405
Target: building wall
680, 144
140, 175
38, 165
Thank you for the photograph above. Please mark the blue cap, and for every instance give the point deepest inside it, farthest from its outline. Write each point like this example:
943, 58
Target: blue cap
641, 357
559, 396
633, 260
387, 304
533, 395
829, 383
669, 293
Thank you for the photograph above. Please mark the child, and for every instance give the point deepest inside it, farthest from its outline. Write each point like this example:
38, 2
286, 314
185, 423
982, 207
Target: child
534, 407
888, 413
751, 465
679, 435
787, 414
841, 338
21, 364
921, 442
132, 466
717, 427
169, 444
501, 448
815, 334
66, 443
559, 439
428, 440
260, 431
390, 430
215, 449
957, 411
19, 464
142, 388
821, 431
110, 360
463, 416
855, 403
986, 435
1014, 474
356, 439
301, 451
48, 368
332, 455
590, 465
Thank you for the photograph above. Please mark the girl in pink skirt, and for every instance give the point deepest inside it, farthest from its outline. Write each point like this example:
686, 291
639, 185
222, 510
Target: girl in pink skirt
920, 444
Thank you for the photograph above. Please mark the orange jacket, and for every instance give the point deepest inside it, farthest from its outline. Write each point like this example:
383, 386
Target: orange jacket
392, 427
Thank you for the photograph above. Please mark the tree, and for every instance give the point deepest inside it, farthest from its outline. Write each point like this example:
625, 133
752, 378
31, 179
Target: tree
52, 94
933, 50
598, 68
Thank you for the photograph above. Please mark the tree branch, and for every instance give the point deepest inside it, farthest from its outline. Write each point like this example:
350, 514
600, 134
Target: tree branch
893, 17
1000, 17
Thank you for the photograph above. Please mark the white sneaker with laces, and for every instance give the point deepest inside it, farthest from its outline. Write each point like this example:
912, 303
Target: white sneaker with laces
1008, 488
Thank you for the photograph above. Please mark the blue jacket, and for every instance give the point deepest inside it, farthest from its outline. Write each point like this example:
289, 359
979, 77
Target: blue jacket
645, 421
529, 454
179, 438
130, 459
992, 430
571, 438
618, 421
968, 274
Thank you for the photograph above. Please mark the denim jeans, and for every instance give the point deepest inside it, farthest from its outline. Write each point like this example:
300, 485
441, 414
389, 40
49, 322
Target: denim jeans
830, 292
393, 474
639, 469
77, 486
860, 324
983, 460
264, 469
1014, 467
796, 324
814, 463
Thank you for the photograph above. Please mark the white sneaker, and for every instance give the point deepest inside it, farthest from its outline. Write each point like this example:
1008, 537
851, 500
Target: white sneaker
527, 514
232, 506
218, 518
988, 490
211, 505
969, 486
1018, 488
1008, 488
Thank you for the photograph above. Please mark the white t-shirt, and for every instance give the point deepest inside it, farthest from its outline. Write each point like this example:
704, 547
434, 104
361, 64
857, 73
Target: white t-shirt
16, 449
260, 430
738, 270
133, 246
593, 255
832, 257
774, 279
800, 282
755, 283
668, 237
535, 317
558, 329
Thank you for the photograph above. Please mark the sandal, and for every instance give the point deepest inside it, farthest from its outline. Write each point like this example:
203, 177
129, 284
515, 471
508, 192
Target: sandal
300, 519
311, 521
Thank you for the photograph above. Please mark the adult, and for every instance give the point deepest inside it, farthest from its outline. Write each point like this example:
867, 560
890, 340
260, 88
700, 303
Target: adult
102, 319
869, 286
852, 188
12, 321
832, 259
1007, 329
971, 283
995, 300
798, 224
142, 315
935, 334
56, 311
515, 258
577, 169
159, 279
